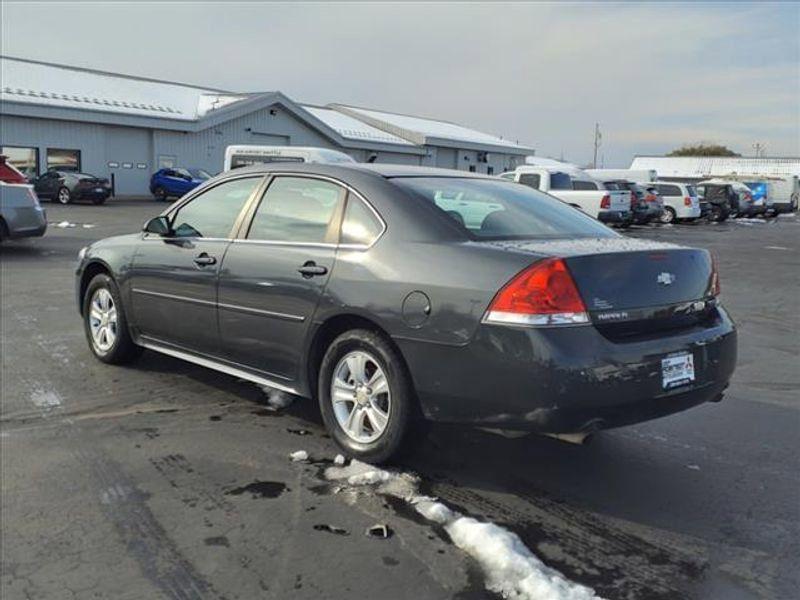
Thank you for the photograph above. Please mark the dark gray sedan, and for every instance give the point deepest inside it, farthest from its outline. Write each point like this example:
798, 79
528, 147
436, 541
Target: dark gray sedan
396, 294
69, 186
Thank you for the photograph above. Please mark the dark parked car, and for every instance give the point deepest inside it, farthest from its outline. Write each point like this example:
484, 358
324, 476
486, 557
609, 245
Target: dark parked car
720, 200
393, 294
166, 183
68, 186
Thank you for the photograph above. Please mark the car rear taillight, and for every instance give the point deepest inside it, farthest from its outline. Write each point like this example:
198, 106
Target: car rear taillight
541, 295
714, 287
687, 201
650, 198
605, 201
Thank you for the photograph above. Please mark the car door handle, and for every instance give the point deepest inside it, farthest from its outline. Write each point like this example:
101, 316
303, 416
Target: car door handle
202, 260
310, 269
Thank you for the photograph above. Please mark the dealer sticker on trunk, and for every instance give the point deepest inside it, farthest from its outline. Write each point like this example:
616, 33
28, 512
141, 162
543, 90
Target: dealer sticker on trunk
677, 370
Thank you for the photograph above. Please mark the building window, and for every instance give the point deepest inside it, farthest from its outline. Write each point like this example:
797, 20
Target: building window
166, 161
25, 160
472, 168
490, 170
483, 157
63, 159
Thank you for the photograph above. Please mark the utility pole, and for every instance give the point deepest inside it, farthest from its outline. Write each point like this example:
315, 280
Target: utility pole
598, 140
759, 148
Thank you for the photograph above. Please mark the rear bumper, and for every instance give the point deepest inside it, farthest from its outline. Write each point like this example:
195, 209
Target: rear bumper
614, 216
90, 194
566, 380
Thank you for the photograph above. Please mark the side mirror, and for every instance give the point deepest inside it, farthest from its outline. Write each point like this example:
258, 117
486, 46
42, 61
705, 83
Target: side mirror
158, 226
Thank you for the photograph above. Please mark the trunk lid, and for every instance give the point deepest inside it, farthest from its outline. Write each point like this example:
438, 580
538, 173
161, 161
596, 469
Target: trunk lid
634, 288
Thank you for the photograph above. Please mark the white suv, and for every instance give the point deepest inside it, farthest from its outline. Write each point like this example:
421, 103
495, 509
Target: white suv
680, 201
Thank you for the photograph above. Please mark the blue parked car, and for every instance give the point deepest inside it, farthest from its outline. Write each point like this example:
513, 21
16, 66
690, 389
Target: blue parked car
175, 182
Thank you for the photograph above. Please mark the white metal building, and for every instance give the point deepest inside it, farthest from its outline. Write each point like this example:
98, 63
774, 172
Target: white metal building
693, 168
125, 127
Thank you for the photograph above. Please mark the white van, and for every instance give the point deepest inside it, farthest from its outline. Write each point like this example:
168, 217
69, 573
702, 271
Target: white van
246, 155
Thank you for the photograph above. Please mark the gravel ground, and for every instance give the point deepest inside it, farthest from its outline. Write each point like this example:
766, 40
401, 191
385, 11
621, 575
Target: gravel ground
163, 480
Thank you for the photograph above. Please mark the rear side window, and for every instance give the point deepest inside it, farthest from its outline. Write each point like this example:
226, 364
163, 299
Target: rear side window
298, 209
531, 180
490, 209
212, 213
669, 190
560, 181
577, 184
360, 226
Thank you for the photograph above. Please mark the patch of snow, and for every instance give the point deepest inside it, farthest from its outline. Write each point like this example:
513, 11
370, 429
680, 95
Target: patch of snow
45, 398
298, 456
338, 460
744, 221
776, 248
65, 224
787, 215
276, 399
510, 568
693, 467
88, 225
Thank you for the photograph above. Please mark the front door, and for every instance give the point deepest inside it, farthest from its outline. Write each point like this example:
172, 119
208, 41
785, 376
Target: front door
271, 281
173, 280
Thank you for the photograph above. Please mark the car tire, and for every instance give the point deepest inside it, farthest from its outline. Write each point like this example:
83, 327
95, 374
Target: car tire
63, 195
102, 308
668, 216
160, 194
350, 421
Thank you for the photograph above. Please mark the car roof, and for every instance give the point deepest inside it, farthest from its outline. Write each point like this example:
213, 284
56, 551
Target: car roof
382, 170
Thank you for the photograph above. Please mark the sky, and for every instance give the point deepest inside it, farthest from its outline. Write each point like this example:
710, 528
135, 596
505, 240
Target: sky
653, 75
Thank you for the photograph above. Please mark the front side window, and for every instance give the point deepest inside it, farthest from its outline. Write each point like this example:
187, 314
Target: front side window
298, 209
491, 209
63, 160
25, 160
360, 225
212, 213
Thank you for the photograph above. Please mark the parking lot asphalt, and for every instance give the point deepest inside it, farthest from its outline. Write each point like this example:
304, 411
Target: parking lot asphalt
166, 480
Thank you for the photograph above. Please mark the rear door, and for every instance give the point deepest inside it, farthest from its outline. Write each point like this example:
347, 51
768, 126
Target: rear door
273, 275
173, 279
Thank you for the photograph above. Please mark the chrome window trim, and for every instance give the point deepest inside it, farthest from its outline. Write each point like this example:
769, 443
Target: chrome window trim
210, 363
346, 186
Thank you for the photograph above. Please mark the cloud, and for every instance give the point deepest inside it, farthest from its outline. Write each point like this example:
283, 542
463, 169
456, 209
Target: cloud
540, 73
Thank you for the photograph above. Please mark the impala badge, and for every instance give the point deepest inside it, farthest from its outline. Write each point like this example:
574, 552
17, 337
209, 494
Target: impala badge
665, 278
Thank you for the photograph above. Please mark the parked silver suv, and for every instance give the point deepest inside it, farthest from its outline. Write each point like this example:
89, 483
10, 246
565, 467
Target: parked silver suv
21, 215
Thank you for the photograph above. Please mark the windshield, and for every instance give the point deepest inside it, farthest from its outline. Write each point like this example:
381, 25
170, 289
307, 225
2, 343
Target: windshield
199, 174
499, 210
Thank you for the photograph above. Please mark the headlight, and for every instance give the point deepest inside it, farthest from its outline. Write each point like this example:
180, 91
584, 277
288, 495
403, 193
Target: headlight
82, 252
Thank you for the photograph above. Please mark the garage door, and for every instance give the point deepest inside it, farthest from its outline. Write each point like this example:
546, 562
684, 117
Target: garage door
128, 154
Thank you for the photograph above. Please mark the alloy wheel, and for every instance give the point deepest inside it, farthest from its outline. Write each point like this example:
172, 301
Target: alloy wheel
63, 196
360, 396
103, 320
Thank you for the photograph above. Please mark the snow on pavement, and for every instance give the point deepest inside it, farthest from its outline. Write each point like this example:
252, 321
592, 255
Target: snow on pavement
276, 399
510, 568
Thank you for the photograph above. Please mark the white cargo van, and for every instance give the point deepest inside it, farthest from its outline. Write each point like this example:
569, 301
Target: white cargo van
245, 155
575, 187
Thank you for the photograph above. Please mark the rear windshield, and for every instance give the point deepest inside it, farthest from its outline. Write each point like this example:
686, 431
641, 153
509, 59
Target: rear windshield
498, 210
560, 181
691, 190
